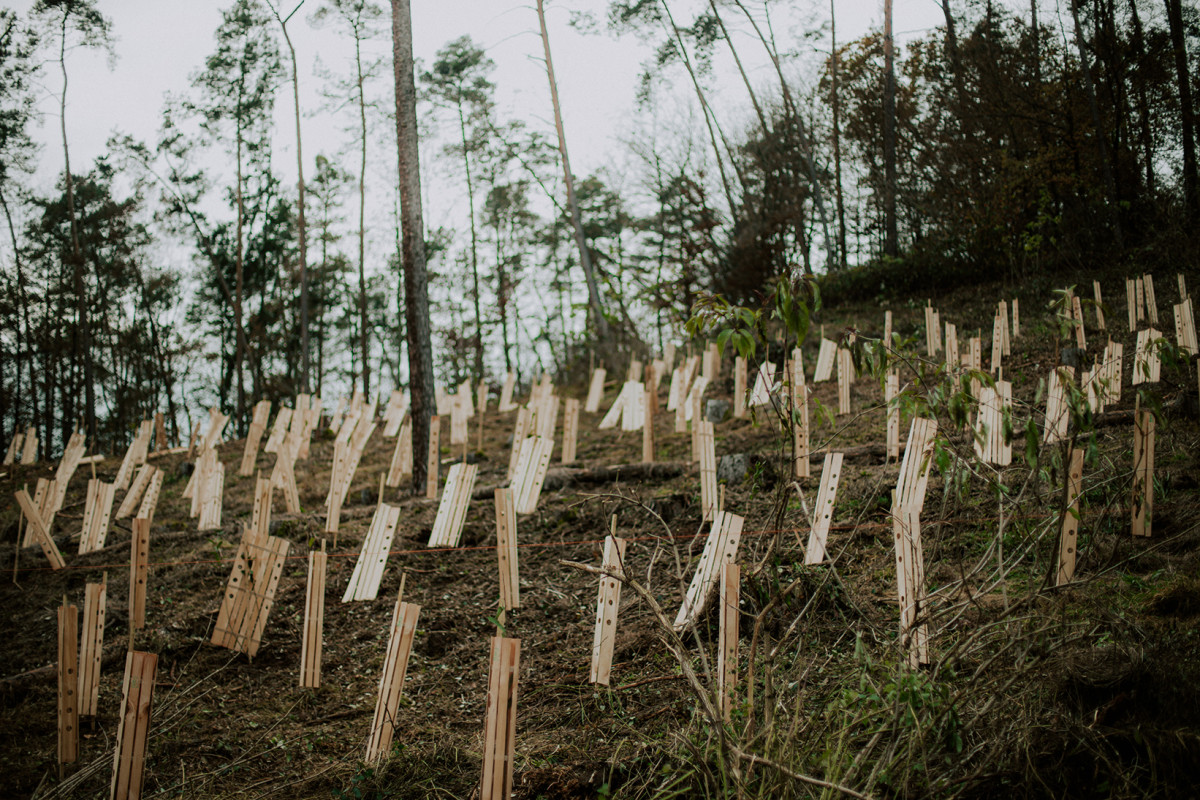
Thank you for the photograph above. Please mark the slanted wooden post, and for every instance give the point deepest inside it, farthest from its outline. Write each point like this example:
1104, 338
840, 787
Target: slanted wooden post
500, 730
401, 467
532, 463
96, 513
727, 651
139, 567
1070, 521
150, 498
720, 548
1151, 303
41, 533
595, 391
434, 459
68, 685
452, 511
1099, 305
314, 620
372, 557
129, 757
825, 359
607, 604
570, 430
94, 603
1143, 471
818, 532
391, 682
1077, 315
1139, 298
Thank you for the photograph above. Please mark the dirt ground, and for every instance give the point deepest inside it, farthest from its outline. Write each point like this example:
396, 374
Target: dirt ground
225, 725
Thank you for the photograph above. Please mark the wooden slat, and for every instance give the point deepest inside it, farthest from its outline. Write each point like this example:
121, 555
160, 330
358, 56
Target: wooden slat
1069, 535
825, 358
764, 384
910, 581
891, 394
72, 454
433, 458
391, 682
845, 377
95, 602
727, 648
608, 602
720, 548
283, 419
1077, 314
1057, 409
1099, 305
708, 472
40, 533
1143, 472
401, 466
570, 438
531, 473
506, 549
140, 483
617, 411
213, 496
314, 620
1151, 303
250, 454
520, 433
29, 447
595, 391
394, 414
500, 727
96, 513
798, 396
918, 459
452, 510
372, 558
68, 684
139, 567
506, 394
129, 756
831, 473
648, 427
739, 387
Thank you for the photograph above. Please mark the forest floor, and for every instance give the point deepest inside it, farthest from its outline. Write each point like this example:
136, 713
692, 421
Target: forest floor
1092, 690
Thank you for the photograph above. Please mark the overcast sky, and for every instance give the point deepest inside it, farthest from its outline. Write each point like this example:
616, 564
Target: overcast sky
160, 44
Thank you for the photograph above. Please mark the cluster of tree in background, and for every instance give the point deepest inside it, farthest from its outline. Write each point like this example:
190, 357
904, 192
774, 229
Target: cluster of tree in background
1011, 140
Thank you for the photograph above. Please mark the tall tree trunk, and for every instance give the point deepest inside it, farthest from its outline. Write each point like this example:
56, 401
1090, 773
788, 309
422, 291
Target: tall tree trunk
362, 210
891, 239
300, 227
416, 283
84, 347
585, 258
1187, 112
1146, 136
1110, 186
462, 129
239, 289
837, 137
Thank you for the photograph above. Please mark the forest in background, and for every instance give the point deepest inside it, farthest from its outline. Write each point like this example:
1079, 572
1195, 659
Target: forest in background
1014, 141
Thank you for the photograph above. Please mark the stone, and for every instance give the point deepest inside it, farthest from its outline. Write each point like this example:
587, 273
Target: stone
732, 469
716, 409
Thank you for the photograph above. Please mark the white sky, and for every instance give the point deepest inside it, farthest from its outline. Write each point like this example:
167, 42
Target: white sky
161, 43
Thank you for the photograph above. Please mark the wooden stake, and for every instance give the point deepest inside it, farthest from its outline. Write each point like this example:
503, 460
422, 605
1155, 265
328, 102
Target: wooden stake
720, 548
452, 511
506, 550
532, 463
139, 567
41, 533
501, 726
129, 757
891, 391
372, 558
68, 684
708, 472
1151, 303
739, 387
1099, 305
799, 410
727, 650
1070, 522
314, 620
823, 510
1143, 472
595, 391
570, 438
95, 600
825, 361
845, 375
391, 682
607, 604
434, 459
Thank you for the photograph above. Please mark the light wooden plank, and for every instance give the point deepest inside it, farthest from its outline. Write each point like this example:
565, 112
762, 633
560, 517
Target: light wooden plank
433, 458
68, 684
139, 567
720, 548
818, 531
1143, 472
41, 534
506, 549
608, 602
1069, 529
500, 726
595, 391
95, 602
570, 439
727, 646
372, 557
452, 510
314, 620
391, 682
129, 756
708, 472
